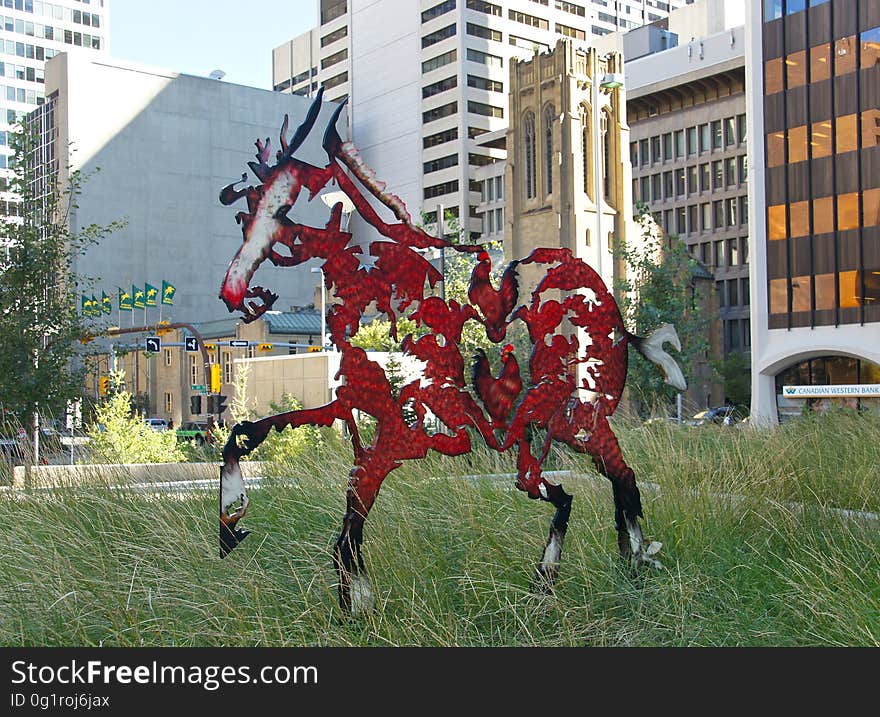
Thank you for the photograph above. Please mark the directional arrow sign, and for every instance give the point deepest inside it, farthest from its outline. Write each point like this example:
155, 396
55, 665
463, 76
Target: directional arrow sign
154, 344
240, 343
191, 343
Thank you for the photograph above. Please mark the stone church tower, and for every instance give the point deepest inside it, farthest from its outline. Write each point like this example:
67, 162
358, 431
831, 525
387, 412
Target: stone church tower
568, 175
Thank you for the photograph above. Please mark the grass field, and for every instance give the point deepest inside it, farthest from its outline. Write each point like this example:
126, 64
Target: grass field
753, 553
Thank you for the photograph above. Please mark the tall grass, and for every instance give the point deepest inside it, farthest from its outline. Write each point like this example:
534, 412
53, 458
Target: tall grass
752, 555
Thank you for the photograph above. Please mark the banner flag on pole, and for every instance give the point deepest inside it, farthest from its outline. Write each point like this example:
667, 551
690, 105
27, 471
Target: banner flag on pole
152, 292
139, 297
168, 292
124, 300
106, 304
86, 308
95, 307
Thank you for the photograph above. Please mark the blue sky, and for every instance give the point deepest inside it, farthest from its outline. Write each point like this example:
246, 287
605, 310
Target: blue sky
198, 36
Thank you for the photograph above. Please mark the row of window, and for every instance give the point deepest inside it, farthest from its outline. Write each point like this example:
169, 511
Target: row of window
332, 37
720, 174
22, 72
493, 190
821, 290
733, 293
737, 334
438, 10
847, 215
20, 94
689, 142
720, 215
791, 71
493, 221
334, 59
47, 9
37, 52
723, 253
820, 139
438, 190
773, 9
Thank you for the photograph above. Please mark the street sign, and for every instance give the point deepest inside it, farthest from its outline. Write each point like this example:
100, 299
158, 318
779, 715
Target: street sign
240, 343
154, 344
200, 387
191, 343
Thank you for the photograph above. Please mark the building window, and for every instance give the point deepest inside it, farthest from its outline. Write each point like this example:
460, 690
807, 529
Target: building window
435, 88
680, 182
655, 150
693, 185
570, 32
484, 58
167, 354
483, 83
334, 36
704, 138
667, 146
527, 19
432, 38
643, 152
439, 61
438, 190
435, 165
432, 140
481, 108
169, 402
606, 155
194, 370
716, 135
679, 143
549, 115
335, 58
227, 367
439, 112
438, 10
484, 7
691, 141
483, 32
529, 146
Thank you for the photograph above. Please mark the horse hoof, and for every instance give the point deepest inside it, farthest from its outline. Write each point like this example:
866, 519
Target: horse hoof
361, 595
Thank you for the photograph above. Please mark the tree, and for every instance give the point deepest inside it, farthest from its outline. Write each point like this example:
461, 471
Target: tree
661, 286
40, 327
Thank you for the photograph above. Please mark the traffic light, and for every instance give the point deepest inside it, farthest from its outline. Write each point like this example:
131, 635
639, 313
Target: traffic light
210, 347
162, 328
215, 379
104, 385
265, 347
195, 404
216, 404
315, 349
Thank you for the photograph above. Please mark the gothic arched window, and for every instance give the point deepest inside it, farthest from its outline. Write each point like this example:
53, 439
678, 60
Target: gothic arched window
530, 163
549, 114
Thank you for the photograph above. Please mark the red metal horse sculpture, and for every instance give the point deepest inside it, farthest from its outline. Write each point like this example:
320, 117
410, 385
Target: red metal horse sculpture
391, 274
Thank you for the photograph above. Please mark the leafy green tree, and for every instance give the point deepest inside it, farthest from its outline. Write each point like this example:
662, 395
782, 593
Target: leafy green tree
734, 371
40, 327
119, 435
661, 286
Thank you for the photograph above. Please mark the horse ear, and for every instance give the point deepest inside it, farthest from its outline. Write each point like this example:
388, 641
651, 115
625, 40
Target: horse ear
332, 140
303, 130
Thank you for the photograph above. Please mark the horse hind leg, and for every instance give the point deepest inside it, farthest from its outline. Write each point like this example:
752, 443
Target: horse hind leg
356, 595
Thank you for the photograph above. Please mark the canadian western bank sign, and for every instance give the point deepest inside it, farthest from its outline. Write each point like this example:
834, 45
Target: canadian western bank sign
852, 390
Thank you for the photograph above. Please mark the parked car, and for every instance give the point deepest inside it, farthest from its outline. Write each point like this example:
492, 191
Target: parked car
720, 415
197, 431
157, 424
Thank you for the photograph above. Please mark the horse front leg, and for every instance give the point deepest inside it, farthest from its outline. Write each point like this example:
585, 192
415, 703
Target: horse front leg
245, 438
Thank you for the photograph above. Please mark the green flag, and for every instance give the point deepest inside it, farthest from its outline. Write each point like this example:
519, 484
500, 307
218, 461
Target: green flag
86, 306
139, 297
152, 292
106, 304
124, 300
95, 306
168, 292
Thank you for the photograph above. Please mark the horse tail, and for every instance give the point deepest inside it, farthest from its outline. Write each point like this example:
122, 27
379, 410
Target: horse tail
651, 347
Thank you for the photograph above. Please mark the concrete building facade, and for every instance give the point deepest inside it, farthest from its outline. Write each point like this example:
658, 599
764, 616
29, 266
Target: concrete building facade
426, 79
686, 109
814, 109
164, 144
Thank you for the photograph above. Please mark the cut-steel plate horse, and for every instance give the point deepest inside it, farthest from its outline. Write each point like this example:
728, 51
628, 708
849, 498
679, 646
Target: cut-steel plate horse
390, 274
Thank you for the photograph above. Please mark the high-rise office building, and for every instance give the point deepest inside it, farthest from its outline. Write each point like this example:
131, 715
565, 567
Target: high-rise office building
686, 109
814, 114
426, 79
31, 33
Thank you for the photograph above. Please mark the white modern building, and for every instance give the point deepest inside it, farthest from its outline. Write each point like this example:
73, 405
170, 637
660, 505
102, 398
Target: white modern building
31, 33
425, 79
163, 145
